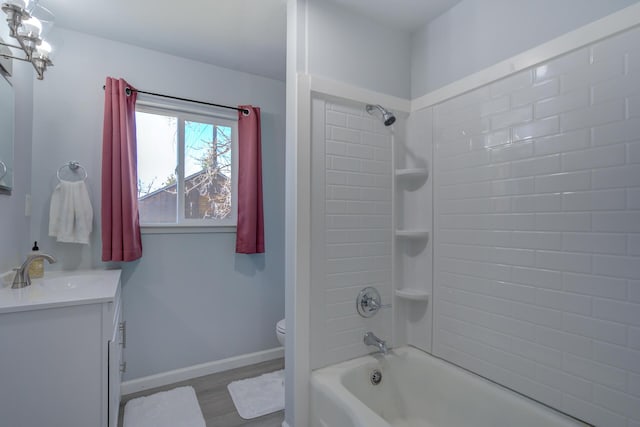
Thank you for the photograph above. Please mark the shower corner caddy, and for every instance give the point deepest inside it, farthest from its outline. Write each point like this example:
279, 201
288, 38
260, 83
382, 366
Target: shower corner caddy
412, 173
412, 295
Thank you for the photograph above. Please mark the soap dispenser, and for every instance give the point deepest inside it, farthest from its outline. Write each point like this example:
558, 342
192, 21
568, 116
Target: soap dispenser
36, 269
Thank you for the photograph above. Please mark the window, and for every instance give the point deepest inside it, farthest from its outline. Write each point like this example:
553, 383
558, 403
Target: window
186, 168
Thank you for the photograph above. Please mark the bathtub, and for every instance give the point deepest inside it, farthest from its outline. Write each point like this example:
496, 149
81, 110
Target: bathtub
419, 390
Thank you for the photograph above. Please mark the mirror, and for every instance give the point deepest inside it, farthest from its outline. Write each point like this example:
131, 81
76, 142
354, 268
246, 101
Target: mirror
6, 135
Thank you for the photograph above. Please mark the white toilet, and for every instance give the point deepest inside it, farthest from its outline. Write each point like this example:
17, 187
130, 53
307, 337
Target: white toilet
280, 330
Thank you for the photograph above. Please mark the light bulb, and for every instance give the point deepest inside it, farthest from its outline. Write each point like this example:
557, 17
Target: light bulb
43, 49
32, 27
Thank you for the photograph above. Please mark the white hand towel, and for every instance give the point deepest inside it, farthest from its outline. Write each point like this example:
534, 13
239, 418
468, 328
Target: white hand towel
70, 213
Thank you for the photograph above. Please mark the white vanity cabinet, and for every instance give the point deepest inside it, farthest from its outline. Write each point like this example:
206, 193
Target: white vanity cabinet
61, 351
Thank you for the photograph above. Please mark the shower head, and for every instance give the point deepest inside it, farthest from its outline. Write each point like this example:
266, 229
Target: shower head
387, 117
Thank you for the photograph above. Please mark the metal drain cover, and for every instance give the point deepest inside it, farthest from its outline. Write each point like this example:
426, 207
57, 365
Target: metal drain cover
376, 377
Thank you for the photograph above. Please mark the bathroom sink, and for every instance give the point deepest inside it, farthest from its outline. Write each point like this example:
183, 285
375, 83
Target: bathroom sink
61, 289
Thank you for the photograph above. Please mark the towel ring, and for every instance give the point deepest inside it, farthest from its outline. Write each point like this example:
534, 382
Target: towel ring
3, 169
75, 168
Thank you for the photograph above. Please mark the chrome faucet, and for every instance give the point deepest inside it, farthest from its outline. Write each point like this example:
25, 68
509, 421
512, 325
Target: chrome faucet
371, 339
22, 278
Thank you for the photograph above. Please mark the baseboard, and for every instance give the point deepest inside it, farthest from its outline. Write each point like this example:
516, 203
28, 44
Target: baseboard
159, 380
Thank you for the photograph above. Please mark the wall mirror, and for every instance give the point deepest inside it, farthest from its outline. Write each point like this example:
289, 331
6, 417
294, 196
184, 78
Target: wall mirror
6, 135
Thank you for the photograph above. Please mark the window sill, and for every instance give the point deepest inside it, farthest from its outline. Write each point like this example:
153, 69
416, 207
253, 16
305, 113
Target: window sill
186, 229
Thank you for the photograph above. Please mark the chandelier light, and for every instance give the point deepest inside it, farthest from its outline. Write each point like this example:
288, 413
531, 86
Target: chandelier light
25, 19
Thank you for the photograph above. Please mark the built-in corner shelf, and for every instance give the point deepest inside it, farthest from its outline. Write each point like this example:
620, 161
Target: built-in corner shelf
412, 294
412, 173
412, 234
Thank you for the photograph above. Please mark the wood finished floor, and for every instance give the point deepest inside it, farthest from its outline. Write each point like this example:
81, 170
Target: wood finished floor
215, 401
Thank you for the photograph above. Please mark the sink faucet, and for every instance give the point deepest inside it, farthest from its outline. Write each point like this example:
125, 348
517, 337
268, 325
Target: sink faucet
22, 278
371, 339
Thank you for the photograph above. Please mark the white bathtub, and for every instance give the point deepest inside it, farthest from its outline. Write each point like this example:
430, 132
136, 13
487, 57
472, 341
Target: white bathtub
418, 390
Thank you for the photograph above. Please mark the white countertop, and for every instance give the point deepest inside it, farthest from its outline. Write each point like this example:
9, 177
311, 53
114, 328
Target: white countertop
62, 288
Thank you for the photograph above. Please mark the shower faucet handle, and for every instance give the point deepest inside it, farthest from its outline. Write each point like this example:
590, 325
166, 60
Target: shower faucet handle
369, 302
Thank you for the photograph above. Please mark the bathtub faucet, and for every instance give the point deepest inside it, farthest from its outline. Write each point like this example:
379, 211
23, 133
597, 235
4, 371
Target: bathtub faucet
371, 339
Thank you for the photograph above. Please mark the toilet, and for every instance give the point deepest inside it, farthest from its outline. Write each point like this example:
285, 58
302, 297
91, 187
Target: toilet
280, 330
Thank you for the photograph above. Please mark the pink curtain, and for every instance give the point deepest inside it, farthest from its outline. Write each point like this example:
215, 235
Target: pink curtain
120, 222
250, 230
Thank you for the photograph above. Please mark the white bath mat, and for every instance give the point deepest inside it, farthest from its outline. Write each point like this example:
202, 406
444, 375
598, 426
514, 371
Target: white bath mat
174, 408
255, 397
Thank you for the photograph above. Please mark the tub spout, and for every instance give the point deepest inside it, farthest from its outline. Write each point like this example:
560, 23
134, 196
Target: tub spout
371, 339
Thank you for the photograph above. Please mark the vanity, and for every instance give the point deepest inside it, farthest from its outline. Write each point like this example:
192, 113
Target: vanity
61, 342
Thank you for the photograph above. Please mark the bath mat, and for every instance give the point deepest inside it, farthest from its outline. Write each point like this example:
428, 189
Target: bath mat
258, 396
174, 408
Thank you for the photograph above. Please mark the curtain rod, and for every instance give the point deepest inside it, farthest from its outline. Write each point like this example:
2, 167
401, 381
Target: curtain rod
129, 90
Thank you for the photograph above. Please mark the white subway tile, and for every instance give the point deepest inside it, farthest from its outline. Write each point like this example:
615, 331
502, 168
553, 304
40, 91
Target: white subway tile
536, 129
634, 384
345, 135
511, 117
612, 133
509, 84
509, 152
564, 341
602, 330
511, 256
537, 277
336, 118
536, 240
599, 286
634, 338
594, 371
567, 383
616, 177
352, 109
537, 166
616, 401
563, 301
545, 355
535, 93
461, 130
603, 243
611, 155
537, 203
592, 74
633, 287
620, 222
617, 266
633, 105
563, 261
343, 164
570, 141
617, 88
596, 415
336, 148
633, 152
360, 151
512, 186
594, 200
569, 101
563, 221
561, 182
599, 114
563, 64
617, 311
359, 123
634, 245
476, 96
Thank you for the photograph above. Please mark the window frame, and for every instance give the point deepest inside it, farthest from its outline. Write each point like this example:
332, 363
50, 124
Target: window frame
184, 114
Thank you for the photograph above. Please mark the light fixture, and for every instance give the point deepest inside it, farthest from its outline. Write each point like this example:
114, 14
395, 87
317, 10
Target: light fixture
27, 29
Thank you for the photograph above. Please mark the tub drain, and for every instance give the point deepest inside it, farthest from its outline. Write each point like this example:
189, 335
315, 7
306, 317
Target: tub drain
376, 377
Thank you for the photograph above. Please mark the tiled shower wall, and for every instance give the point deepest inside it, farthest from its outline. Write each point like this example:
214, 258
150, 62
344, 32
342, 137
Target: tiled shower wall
537, 232
351, 228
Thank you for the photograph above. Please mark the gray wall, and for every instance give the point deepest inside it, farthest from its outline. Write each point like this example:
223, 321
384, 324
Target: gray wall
476, 34
190, 299
347, 47
14, 225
